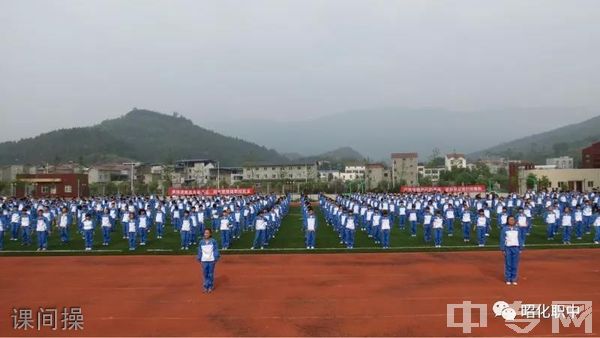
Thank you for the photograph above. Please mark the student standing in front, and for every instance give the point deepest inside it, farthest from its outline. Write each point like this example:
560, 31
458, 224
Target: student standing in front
42, 226
208, 255
310, 228
511, 245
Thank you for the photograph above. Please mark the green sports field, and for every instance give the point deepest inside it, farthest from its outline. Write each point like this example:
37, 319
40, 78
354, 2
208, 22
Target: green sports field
290, 238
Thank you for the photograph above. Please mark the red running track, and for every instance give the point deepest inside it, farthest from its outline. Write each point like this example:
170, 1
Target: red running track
391, 294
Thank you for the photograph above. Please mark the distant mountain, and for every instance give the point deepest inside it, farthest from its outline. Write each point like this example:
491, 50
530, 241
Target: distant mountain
568, 140
141, 135
379, 132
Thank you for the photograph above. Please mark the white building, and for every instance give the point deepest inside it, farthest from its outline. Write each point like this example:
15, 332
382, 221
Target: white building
270, 172
109, 173
583, 180
455, 160
359, 170
195, 171
329, 175
432, 173
563, 162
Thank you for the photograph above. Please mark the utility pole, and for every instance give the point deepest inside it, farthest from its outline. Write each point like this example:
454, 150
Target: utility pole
218, 175
132, 164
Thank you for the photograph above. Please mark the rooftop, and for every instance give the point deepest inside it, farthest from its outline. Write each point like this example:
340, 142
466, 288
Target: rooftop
405, 155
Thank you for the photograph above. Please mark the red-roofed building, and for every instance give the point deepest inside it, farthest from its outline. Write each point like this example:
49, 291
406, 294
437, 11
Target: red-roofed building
52, 185
590, 156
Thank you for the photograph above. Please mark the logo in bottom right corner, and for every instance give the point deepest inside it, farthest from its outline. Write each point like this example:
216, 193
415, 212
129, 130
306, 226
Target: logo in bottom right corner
523, 317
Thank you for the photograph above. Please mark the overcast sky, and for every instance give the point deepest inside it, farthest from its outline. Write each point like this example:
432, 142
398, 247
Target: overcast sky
73, 63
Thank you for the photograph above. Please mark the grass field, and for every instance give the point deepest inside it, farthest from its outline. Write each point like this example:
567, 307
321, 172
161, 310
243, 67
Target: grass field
290, 238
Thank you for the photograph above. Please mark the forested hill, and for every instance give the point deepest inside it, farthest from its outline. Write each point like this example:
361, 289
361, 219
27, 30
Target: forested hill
140, 135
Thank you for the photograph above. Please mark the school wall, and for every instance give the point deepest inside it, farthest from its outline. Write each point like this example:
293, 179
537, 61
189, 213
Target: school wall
589, 178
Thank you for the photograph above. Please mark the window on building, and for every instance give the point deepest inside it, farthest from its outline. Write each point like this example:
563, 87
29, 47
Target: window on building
68, 189
590, 184
45, 189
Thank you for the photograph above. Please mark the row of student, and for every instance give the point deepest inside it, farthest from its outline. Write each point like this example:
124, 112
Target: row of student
533, 204
231, 215
378, 224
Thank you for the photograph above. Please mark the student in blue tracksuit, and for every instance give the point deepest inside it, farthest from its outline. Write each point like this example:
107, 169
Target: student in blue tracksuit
131, 227
208, 255
466, 220
87, 225
595, 222
412, 219
375, 228
2, 226
587, 216
481, 226
159, 221
550, 219
566, 221
125, 223
578, 222
522, 225
350, 227
185, 226
143, 223
42, 226
427, 225
260, 227
15, 224
310, 228
106, 226
26, 221
438, 229
225, 227
386, 228
511, 245
63, 222
502, 218
449, 216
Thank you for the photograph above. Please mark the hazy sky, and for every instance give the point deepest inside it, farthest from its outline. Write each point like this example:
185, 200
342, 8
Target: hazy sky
73, 63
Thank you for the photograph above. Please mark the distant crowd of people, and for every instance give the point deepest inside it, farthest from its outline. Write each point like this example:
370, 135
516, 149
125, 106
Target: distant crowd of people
141, 218
566, 215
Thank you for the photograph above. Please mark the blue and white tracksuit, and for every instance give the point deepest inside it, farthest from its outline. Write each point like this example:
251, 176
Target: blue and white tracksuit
310, 228
208, 255
511, 245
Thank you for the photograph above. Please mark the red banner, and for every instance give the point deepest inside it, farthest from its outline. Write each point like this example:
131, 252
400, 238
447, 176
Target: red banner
210, 192
445, 189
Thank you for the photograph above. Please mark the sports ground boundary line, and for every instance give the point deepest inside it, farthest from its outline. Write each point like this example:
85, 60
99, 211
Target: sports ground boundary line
423, 248
474, 248
66, 251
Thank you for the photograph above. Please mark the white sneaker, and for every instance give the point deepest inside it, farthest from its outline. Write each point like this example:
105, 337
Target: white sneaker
508, 283
514, 283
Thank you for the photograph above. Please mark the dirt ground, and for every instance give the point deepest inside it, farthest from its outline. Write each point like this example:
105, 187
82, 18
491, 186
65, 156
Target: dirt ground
384, 294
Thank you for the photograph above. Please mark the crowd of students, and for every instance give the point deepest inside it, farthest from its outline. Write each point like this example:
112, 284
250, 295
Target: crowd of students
564, 214
141, 218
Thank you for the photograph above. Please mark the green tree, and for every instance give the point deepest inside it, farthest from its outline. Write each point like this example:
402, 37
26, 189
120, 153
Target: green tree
531, 181
544, 182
